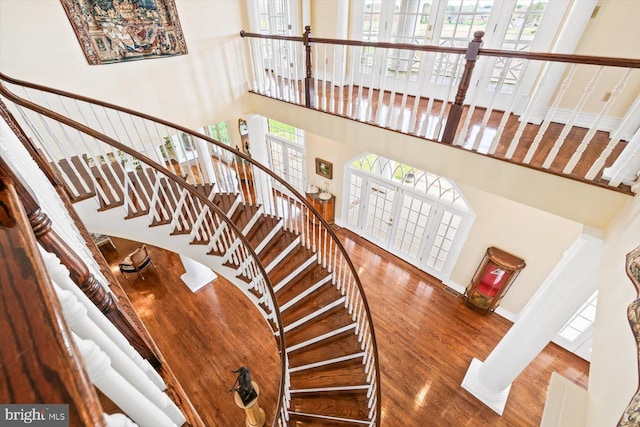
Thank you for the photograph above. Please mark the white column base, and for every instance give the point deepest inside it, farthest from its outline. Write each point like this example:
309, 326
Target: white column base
471, 383
196, 275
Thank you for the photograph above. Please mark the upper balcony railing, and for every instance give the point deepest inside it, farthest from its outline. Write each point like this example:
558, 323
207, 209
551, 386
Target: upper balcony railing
571, 115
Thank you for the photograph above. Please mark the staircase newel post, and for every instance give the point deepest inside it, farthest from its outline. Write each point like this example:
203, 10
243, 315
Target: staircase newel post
308, 90
455, 112
78, 270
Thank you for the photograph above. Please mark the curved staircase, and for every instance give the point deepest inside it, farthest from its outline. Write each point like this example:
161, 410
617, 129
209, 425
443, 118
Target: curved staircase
259, 233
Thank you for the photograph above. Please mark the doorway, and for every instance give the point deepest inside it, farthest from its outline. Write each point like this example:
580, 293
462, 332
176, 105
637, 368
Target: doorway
520, 25
418, 216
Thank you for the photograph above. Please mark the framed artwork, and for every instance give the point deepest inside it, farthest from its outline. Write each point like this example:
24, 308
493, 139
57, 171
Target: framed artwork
324, 168
116, 31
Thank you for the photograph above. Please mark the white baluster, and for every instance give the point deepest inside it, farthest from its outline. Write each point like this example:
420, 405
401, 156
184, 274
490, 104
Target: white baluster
572, 119
333, 84
118, 420
381, 82
548, 118
594, 127
60, 275
76, 316
627, 123
115, 387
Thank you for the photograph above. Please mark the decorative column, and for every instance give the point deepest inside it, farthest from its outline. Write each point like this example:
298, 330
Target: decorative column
564, 291
255, 415
196, 275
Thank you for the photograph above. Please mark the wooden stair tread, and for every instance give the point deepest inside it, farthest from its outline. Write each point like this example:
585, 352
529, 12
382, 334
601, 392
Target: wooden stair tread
204, 189
294, 259
243, 215
225, 201
296, 420
326, 295
261, 229
346, 373
340, 345
161, 206
278, 243
311, 275
76, 181
343, 404
325, 323
138, 189
108, 177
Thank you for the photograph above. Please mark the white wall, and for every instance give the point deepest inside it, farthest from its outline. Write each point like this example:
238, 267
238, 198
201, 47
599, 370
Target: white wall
538, 237
37, 44
613, 376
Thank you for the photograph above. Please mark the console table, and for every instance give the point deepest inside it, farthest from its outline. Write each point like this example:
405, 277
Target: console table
101, 240
326, 207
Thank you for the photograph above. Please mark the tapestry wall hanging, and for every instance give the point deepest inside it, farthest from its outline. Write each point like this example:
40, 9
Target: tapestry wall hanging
125, 30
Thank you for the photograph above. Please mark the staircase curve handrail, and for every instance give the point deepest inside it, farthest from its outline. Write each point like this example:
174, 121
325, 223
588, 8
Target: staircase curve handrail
4, 91
289, 187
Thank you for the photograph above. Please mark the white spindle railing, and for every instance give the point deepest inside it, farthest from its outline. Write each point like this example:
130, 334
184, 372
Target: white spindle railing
132, 402
90, 325
60, 276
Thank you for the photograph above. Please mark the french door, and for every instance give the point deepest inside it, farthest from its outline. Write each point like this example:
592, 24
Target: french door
287, 161
410, 232
381, 209
410, 225
520, 25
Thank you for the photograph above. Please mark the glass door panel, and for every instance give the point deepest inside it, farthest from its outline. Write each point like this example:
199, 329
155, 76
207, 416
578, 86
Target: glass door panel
276, 158
295, 168
355, 200
380, 212
440, 243
287, 161
410, 227
522, 25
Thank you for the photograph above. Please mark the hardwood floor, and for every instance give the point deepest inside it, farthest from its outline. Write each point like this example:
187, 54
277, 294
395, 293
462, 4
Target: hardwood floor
426, 336
202, 335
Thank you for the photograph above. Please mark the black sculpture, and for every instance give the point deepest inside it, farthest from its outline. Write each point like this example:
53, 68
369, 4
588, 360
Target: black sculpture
245, 389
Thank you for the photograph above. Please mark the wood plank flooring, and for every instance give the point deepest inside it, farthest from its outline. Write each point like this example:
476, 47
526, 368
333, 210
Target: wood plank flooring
426, 336
202, 335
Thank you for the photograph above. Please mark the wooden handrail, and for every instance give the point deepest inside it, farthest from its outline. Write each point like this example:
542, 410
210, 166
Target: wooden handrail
541, 56
564, 57
181, 182
183, 185
387, 45
243, 33
42, 363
